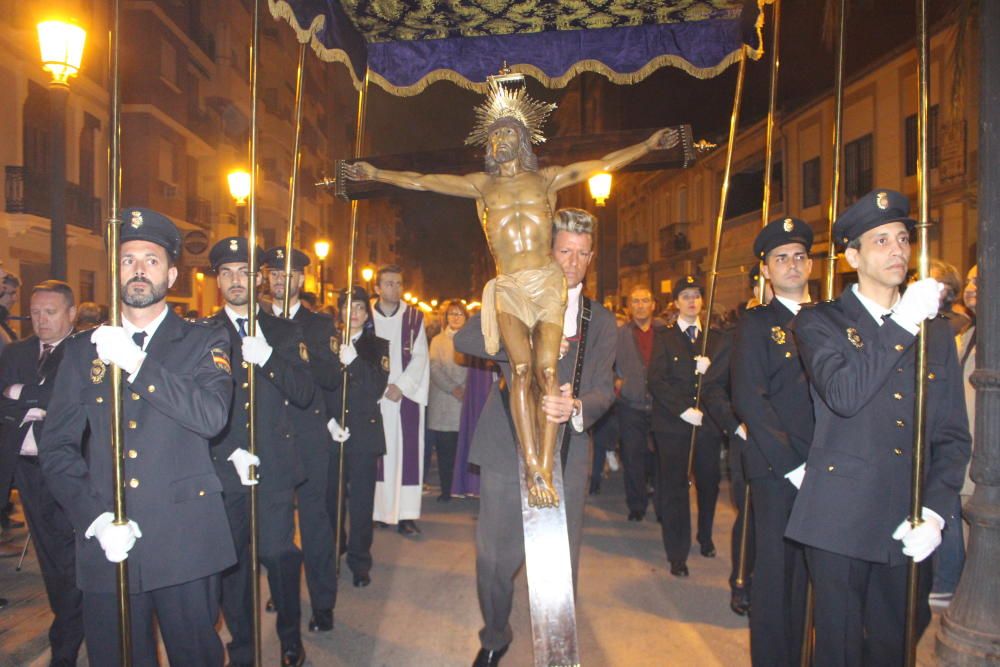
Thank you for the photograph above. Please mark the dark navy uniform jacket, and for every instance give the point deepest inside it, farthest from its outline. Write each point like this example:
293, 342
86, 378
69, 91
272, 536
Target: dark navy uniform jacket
856, 489
771, 392
367, 377
285, 380
317, 331
178, 400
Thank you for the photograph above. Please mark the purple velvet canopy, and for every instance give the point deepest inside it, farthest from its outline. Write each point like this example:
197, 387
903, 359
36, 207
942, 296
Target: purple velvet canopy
408, 44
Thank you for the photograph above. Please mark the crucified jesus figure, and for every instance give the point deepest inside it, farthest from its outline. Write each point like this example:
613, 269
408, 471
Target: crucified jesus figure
524, 305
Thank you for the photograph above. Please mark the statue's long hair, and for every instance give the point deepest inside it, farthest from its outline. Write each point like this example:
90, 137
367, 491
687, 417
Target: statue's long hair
526, 158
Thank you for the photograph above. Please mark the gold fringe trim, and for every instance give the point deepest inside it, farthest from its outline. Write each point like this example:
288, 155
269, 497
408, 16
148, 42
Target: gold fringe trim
282, 10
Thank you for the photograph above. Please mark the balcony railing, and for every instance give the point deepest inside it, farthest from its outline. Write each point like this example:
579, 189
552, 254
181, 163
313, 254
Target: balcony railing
199, 212
674, 239
26, 192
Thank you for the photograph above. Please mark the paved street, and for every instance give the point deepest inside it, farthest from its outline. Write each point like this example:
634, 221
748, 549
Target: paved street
421, 609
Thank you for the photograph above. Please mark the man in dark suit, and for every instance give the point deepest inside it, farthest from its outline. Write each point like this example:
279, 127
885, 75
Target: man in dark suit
283, 379
499, 531
177, 389
27, 375
851, 509
311, 437
673, 376
634, 406
771, 395
366, 362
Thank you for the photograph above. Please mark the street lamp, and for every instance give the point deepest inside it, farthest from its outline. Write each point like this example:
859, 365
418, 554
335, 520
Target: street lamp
61, 49
600, 187
367, 273
322, 249
239, 188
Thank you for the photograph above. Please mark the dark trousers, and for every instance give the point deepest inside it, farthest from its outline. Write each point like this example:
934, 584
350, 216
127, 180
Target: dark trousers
738, 487
315, 526
445, 443
778, 597
634, 427
283, 560
55, 544
185, 614
860, 610
360, 468
500, 543
675, 507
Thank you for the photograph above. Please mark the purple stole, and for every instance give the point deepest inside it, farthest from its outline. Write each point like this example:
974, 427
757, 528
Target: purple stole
409, 411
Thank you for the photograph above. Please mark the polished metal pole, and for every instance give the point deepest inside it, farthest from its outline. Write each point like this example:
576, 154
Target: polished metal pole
717, 241
293, 182
345, 316
838, 140
113, 232
923, 222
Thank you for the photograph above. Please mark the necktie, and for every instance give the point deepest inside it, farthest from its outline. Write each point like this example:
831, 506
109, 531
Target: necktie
692, 332
139, 337
46, 353
241, 323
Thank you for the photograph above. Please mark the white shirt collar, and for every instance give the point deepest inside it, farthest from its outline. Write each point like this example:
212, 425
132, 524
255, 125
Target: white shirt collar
790, 304
150, 328
875, 310
276, 308
41, 345
683, 324
572, 310
233, 316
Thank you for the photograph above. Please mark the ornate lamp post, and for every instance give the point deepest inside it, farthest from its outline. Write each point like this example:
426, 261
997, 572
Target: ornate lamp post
322, 249
61, 47
239, 188
367, 274
600, 187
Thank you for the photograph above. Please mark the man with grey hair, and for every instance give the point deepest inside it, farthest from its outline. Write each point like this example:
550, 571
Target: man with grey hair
499, 534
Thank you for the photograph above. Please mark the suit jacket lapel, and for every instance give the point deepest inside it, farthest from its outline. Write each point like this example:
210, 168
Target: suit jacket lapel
169, 330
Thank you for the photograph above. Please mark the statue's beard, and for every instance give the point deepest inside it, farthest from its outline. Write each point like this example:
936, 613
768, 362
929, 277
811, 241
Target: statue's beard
503, 153
155, 294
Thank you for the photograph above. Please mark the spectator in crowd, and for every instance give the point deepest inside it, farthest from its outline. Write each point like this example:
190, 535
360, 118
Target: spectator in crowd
950, 309
480, 376
9, 285
444, 402
90, 315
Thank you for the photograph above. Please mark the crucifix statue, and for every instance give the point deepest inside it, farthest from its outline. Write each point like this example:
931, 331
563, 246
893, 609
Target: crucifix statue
523, 306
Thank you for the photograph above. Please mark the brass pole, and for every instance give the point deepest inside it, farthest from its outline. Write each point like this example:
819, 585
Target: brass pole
838, 139
919, 443
114, 272
345, 315
252, 270
805, 657
717, 247
292, 189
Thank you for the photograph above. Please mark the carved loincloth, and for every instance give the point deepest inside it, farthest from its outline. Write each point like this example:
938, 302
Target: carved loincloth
530, 295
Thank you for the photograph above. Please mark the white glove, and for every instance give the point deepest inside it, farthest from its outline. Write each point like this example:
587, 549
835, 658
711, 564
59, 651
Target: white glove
337, 432
920, 302
920, 542
741, 431
13, 392
33, 415
612, 460
116, 541
348, 354
242, 460
256, 349
115, 346
692, 416
796, 476
701, 365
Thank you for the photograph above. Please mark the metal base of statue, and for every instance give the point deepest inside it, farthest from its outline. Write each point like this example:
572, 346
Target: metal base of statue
549, 569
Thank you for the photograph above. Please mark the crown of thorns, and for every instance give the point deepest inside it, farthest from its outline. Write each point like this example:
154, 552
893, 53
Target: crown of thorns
503, 102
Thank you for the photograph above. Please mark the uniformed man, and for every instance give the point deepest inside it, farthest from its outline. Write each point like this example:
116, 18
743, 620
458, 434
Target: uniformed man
283, 379
771, 395
852, 506
177, 390
311, 437
673, 375
366, 360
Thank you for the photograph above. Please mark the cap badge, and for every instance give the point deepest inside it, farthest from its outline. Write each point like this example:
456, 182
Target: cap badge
778, 335
280, 253
136, 222
234, 245
882, 200
689, 280
855, 338
788, 226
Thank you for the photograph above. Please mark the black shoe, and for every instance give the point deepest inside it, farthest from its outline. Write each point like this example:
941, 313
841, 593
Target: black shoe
739, 602
362, 580
269, 607
381, 524
708, 550
3, 602
408, 527
679, 569
444, 498
595, 491
321, 621
487, 658
636, 515
294, 656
